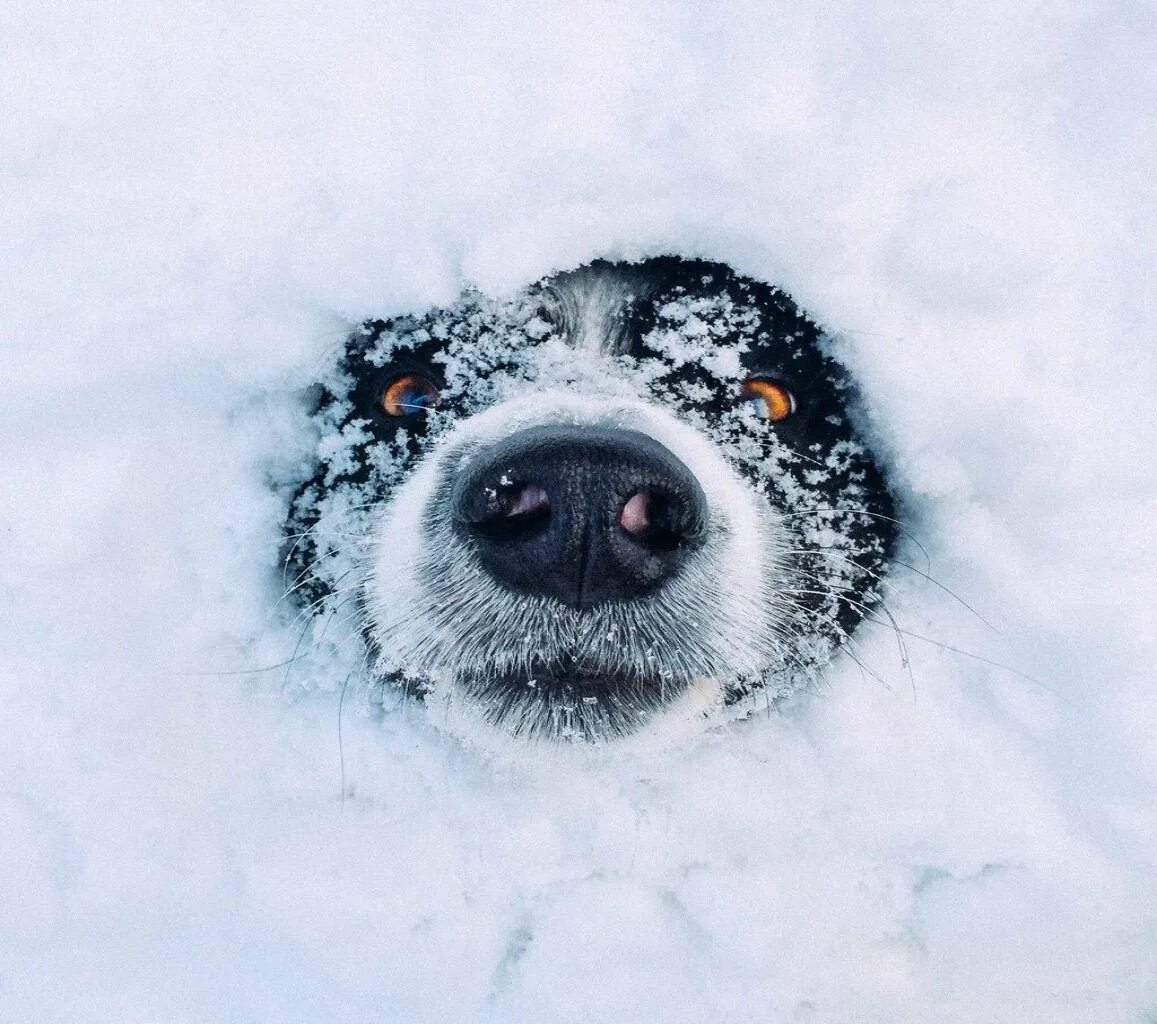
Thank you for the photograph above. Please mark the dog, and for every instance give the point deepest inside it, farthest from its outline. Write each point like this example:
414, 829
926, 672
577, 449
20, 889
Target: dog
633, 493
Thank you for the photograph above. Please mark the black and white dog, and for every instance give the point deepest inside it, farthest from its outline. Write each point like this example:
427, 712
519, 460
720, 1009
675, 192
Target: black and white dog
630, 496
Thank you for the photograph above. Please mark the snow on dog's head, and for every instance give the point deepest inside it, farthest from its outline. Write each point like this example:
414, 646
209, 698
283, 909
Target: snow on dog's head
625, 499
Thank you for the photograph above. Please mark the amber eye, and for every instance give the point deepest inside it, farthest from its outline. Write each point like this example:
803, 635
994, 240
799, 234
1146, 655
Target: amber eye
409, 394
771, 399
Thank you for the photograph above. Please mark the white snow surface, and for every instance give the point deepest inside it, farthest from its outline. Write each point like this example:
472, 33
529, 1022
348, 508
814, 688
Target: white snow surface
197, 201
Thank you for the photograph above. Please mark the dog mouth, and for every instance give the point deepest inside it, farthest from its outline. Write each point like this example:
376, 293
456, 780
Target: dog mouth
571, 699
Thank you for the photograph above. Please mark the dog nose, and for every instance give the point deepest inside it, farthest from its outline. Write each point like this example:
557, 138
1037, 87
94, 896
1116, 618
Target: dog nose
583, 515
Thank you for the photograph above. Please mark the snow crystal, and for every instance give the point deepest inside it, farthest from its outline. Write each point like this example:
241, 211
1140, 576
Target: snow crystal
200, 202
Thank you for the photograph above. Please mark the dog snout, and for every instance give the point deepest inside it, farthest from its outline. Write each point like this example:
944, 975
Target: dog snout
583, 515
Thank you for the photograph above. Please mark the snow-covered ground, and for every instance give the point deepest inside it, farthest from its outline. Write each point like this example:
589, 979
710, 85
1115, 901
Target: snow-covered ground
197, 200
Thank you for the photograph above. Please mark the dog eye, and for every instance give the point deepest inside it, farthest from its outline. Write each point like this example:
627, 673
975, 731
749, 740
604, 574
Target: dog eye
771, 399
409, 394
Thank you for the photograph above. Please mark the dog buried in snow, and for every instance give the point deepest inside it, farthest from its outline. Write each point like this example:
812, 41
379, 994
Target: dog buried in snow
631, 495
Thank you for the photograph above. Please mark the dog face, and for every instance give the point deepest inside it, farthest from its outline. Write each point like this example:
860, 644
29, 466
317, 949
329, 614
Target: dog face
631, 494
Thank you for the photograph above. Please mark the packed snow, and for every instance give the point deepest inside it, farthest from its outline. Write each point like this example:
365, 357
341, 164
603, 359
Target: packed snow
199, 201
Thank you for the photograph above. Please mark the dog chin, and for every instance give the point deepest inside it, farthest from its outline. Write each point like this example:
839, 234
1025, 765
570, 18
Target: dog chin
503, 715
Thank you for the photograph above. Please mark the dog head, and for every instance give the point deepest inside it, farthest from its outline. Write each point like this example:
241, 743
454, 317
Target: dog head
630, 493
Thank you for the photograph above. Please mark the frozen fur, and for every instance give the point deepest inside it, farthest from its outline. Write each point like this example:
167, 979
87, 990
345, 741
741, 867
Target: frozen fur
800, 523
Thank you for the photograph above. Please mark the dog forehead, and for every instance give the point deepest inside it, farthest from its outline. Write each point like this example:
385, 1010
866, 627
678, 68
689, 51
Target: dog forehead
683, 312
591, 306
668, 309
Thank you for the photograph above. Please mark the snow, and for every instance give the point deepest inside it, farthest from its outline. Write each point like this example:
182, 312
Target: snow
197, 202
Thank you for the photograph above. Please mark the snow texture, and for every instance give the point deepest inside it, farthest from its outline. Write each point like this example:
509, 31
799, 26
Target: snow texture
199, 201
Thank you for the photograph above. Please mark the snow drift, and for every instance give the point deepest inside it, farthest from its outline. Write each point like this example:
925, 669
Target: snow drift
199, 201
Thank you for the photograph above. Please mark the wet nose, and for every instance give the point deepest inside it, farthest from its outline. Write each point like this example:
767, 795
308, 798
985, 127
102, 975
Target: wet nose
583, 515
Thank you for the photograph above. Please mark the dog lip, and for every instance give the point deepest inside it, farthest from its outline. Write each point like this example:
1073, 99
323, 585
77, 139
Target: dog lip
586, 681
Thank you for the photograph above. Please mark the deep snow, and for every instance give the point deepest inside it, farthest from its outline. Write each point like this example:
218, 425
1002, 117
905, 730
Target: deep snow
198, 200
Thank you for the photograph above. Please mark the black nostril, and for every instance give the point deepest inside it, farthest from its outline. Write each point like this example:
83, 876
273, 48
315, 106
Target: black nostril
509, 512
582, 515
659, 520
